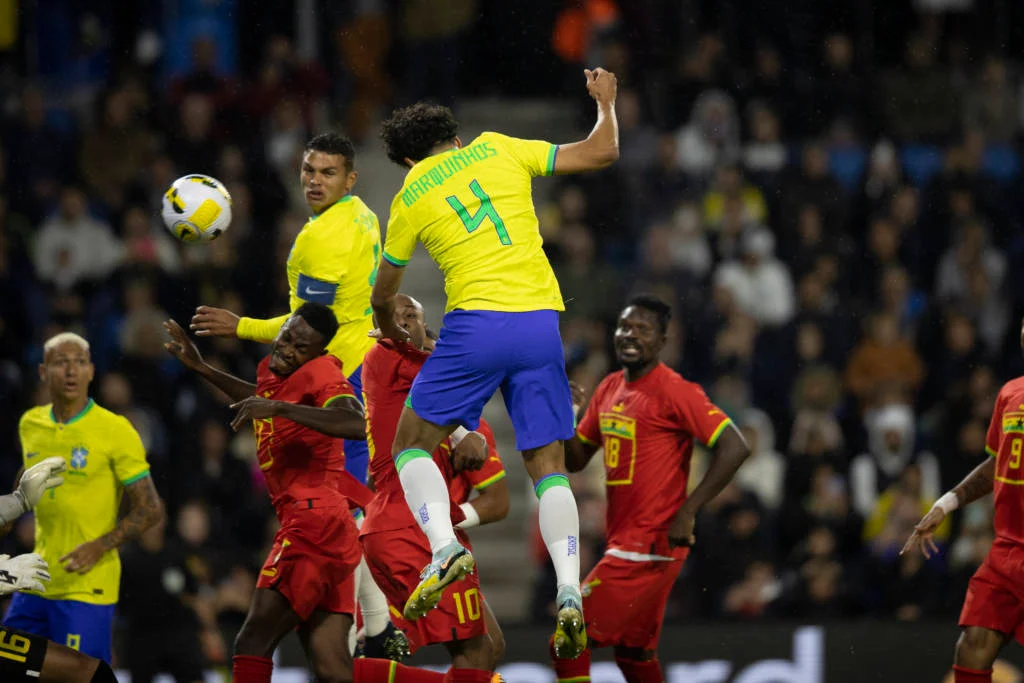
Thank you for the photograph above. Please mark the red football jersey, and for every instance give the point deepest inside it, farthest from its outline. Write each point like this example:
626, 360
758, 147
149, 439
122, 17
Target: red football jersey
300, 463
647, 429
389, 369
1005, 442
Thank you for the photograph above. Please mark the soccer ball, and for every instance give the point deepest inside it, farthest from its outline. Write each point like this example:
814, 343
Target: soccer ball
196, 207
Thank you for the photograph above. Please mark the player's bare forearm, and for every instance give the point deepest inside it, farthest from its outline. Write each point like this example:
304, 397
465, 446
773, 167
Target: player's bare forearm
145, 510
578, 454
978, 483
235, 387
492, 504
600, 149
382, 299
343, 419
730, 452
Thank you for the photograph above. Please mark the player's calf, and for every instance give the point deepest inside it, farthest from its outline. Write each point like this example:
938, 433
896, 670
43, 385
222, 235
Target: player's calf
976, 651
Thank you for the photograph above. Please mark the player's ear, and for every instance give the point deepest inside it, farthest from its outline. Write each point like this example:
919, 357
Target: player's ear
350, 181
458, 142
409, 162
42, 371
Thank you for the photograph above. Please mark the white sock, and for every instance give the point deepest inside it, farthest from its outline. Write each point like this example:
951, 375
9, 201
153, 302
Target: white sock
427, 496
560, 528
372, 602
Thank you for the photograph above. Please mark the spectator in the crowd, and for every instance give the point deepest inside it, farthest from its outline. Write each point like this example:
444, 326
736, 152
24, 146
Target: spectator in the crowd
729, 184
761, 283
764, 470
73, 247
37, 151
589, 287
169, 625
114, 152
764, 156
883, 360
892, 456
918, 99
712, 136
992, 103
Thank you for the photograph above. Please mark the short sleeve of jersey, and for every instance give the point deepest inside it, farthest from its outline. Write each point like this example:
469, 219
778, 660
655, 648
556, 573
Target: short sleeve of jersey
493, 469
328, 383
589, 428
995, 428
128, 455
697, 414
400, 241
537, 157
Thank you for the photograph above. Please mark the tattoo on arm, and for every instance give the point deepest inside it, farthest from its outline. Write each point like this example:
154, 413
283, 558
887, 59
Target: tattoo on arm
146, 509
978, 483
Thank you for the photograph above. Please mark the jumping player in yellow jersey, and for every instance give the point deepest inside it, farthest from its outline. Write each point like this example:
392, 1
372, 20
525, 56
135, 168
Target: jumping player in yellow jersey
77, 530
332, 262
472, 207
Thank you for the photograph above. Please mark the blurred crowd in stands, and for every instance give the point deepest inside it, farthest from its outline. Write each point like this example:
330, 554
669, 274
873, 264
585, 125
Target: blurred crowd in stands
833, 207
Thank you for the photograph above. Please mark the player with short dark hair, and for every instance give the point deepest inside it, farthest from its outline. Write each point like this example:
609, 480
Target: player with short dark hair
333, 262
301, 408
647, 418
993, 610
334, 144
395, 547
472, 207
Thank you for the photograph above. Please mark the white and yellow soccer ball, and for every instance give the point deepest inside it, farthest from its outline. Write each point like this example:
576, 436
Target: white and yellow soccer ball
196, 207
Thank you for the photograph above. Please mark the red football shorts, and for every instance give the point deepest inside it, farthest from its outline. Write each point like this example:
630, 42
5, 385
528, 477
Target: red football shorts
396, 559
624, 602
313, 561
995, 595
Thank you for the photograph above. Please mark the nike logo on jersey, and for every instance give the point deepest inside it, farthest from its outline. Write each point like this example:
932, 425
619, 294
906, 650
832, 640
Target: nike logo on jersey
317, 292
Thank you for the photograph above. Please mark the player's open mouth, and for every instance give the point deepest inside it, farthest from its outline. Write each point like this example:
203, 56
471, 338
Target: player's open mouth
629, 350
315, 194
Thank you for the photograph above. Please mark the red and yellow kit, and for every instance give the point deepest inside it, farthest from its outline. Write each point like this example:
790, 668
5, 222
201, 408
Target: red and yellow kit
647, 429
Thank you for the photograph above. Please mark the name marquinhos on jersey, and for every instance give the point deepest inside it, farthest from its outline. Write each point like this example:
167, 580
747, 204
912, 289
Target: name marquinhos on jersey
440, 172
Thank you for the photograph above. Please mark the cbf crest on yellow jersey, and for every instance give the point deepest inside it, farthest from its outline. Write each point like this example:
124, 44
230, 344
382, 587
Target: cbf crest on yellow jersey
104, 454
332, 262
473, 210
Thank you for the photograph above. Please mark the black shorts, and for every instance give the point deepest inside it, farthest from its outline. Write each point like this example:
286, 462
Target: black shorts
21, 655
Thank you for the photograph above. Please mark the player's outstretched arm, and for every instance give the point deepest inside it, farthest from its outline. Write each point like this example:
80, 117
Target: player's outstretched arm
600, 149
382, 300
974, 486
729, 453
220, 322
343, 418
182, 348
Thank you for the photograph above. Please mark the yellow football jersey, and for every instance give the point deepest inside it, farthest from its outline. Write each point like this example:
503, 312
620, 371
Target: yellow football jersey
332, 262
104, 454
473, 210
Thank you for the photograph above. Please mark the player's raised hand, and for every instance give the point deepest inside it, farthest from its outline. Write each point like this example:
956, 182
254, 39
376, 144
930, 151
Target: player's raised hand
253, 408
602, 85
924, 533
26, 572
180, 346
471, 453
39, 479
214, 322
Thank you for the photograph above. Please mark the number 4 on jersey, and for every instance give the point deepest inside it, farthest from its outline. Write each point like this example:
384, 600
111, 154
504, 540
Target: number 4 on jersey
486, 210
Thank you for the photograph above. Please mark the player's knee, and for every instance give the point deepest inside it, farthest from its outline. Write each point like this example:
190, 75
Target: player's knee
977, 647
251, 642
103, 674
